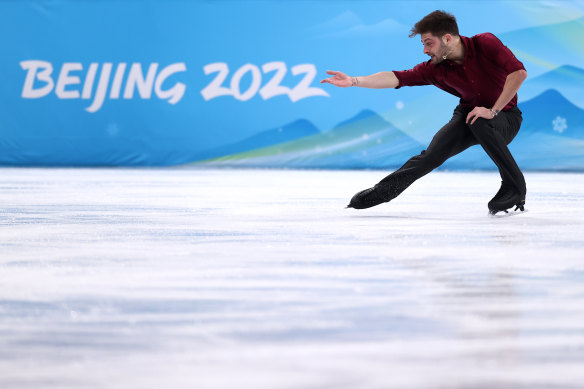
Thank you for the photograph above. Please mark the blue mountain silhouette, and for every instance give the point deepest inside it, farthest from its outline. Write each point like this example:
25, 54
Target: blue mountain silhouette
297, 129
364, 114
552, 114
552, 134
363, 141
568, 80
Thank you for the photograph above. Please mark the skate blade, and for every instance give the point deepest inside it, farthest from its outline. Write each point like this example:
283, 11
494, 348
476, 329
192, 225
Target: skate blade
500, 214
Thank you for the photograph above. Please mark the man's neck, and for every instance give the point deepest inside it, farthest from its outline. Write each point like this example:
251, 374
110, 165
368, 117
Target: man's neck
457, 54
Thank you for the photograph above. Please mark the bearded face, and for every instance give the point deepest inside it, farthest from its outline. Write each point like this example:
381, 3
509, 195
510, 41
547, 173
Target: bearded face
434, 47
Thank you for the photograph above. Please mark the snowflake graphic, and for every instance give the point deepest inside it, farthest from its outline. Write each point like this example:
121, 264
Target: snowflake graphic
560, 124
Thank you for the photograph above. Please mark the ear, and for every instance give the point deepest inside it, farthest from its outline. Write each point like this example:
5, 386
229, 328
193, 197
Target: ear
446, 38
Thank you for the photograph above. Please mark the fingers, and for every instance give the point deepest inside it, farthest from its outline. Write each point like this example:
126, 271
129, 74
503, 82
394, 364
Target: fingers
333, 73
474, 119
475, 113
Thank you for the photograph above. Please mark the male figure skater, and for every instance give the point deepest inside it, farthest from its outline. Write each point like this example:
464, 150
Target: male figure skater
486, 76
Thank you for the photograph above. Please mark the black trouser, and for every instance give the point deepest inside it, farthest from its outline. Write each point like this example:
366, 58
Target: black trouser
492, 134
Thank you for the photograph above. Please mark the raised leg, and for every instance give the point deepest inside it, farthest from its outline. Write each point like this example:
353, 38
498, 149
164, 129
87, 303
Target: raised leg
453, 138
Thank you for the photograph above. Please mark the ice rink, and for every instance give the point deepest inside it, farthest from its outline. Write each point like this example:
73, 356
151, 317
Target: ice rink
212, 279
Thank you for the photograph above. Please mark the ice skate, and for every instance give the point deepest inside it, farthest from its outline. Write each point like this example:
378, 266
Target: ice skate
368, 198
507, 197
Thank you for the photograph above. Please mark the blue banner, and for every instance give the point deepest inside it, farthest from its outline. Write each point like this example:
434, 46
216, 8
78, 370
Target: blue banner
236, 83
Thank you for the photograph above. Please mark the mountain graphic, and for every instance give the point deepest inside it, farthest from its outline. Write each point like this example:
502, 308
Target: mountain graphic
551, 113
568, 80
364, 141
551, 138
552, 134
297, 129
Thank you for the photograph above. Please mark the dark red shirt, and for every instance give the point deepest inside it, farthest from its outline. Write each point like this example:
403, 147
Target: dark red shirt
478, 81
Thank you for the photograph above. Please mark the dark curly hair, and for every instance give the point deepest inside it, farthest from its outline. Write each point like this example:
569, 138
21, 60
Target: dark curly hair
437, 23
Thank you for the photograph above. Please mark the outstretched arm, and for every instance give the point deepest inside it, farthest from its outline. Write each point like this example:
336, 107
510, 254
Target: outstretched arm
378, 80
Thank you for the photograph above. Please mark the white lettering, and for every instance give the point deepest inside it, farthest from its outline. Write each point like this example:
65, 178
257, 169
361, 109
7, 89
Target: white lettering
65, 79
273, 88
175, 93
117, 83
39, 83
215, 88
88, 85
136, 80
303, 89
101, 88
256, 81
32, 67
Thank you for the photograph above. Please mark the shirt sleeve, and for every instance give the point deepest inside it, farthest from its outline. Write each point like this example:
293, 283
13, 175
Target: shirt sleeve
421, 74
500, 54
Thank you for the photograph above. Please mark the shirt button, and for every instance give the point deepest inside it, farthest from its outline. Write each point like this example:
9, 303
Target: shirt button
472, 81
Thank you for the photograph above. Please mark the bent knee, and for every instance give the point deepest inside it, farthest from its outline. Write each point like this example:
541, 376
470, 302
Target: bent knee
482, 127
481, 124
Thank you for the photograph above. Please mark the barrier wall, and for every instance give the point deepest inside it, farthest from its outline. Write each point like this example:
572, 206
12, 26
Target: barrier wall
236, 83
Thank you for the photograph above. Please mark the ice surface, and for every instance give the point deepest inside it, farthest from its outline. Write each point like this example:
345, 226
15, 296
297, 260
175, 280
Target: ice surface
182, 278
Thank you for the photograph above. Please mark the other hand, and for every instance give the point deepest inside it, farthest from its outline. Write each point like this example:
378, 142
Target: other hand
479, 112
339, 79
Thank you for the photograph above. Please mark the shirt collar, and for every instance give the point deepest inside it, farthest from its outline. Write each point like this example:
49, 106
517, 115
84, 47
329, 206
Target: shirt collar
469, 51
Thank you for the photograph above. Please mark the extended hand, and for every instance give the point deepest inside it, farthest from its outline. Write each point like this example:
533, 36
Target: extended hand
479, 112
339, 79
